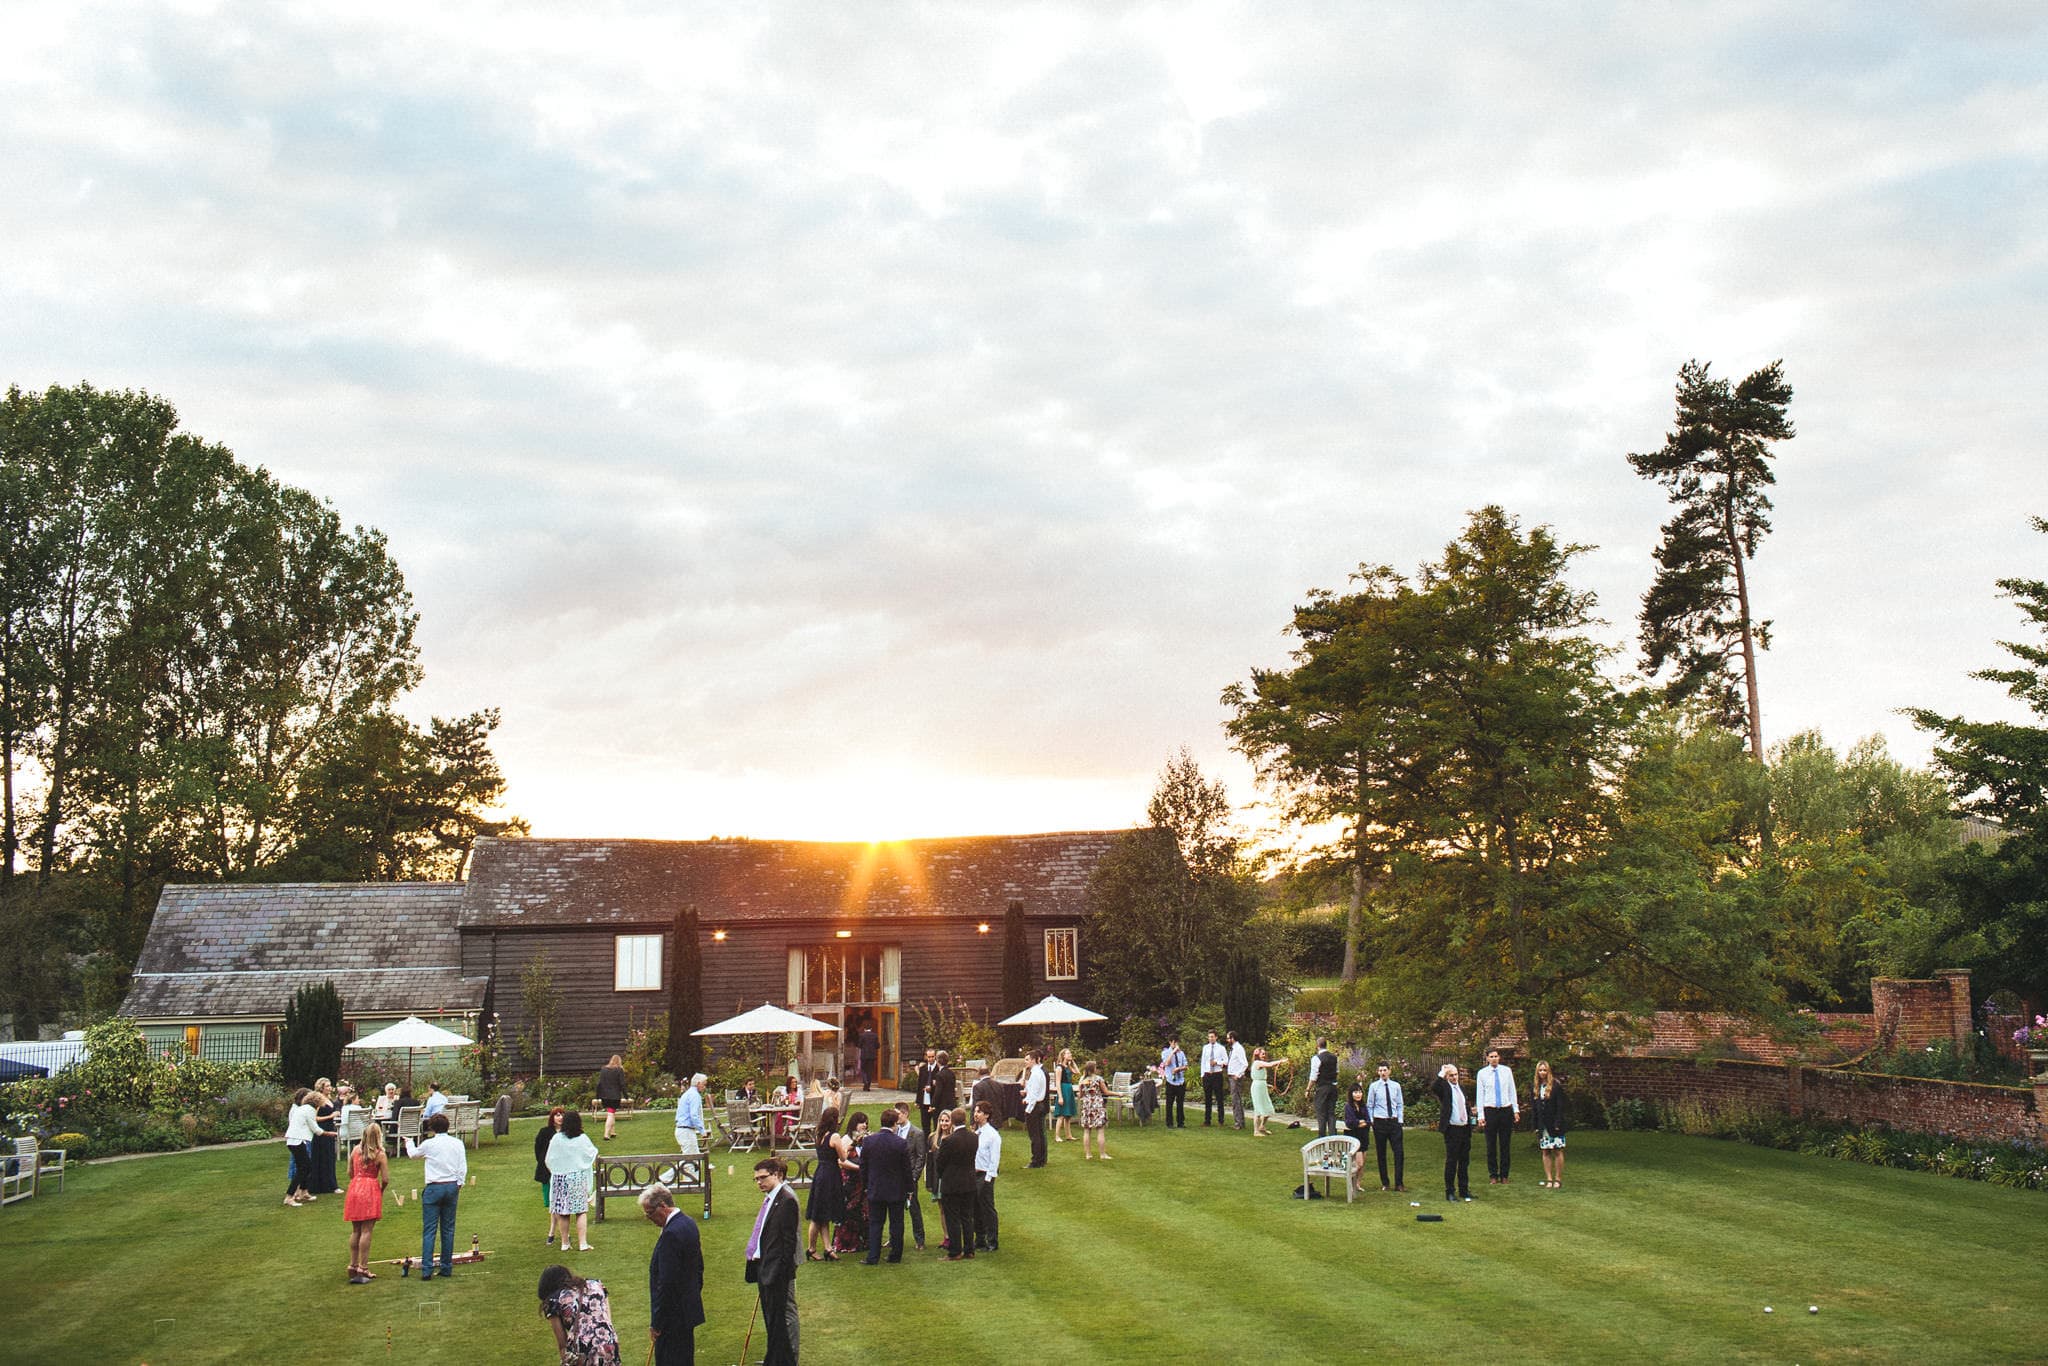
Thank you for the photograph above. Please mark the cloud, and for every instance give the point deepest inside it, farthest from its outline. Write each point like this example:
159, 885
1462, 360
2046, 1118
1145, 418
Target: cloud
759, 397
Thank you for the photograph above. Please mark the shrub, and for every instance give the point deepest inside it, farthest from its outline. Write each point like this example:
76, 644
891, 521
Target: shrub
243, 1131
255, 1103
310, 1046
646, 1050
1315, 1001
1314, 941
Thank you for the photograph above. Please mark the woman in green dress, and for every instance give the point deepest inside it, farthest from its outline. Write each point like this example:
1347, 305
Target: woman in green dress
1262, 1093
1066, 1073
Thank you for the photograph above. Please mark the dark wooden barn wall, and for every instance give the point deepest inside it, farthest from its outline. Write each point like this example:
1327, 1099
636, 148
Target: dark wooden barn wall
940, 957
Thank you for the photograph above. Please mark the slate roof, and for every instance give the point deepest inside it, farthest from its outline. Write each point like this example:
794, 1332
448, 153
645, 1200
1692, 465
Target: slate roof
574, 882
388, 947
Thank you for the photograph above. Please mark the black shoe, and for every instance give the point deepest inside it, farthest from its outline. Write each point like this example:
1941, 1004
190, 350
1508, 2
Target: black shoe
426, 1275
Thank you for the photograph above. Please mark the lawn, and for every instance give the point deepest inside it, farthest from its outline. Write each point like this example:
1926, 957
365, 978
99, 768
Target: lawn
1186, 1247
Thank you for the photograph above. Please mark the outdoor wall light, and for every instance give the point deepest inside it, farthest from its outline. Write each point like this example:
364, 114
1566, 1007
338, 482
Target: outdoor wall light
842, 934
982, 928
718, 936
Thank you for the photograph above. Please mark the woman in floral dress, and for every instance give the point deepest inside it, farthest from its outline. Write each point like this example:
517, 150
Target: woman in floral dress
582, 1318
1094, 1097
852, 1234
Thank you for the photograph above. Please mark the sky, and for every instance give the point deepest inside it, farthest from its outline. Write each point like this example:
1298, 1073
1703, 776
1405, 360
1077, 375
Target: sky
874, 421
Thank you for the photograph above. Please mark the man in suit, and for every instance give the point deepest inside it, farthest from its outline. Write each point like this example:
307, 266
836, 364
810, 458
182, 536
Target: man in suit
987, 1091
953, 1170
772, 1257
1455, 1120
921, 1085
920, 1154
1322, 1087
1240, 1075
945, 1089
870, 1050
1385, 1104
675, 1279
1035, 1105
885, 1162
1499, 1109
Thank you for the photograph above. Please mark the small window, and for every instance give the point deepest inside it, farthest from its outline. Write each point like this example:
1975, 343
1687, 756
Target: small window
272, 1038
1062, 958
638, 963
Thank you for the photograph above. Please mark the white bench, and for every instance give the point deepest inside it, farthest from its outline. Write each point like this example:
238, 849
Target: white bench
1328, 1157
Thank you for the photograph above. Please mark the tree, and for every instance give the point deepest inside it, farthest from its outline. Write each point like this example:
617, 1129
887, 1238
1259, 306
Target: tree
543, 1002
388, 802
1171, 901
1999, 770
1016, 960
686, 998
309, 1044
1247, 998
1716, 465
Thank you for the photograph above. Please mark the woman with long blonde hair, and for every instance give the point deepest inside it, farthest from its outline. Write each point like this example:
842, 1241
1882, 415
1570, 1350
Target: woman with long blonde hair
611, 1094
369, 1172
1550, 1126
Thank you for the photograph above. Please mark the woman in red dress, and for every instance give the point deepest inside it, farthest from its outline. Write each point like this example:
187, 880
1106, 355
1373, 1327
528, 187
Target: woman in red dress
369, 1172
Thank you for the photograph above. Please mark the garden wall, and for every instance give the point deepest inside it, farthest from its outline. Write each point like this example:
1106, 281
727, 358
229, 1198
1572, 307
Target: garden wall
1914, 1104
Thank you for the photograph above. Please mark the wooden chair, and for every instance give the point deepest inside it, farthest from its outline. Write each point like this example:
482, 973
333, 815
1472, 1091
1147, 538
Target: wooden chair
1328, 1157
806, 1127
464, 1119
47, 1160
741, 1130
1119, 1093
408, 1127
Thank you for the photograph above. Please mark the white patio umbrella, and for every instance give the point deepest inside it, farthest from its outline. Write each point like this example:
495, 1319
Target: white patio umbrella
1052, 1011
768, 1019
412, 1034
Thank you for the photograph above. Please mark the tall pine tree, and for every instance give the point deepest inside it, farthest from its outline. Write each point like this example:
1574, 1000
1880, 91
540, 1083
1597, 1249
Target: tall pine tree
1697, 619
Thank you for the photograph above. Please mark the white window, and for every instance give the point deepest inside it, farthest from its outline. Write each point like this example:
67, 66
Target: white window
638, 963
1062, 956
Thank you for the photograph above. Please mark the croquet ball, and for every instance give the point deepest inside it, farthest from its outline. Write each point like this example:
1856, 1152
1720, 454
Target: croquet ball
1813, 1309
1767, 1309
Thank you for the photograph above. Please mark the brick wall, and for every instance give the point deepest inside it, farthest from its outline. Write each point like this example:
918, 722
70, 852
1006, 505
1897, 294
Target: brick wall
1918, 1105
1915, 1012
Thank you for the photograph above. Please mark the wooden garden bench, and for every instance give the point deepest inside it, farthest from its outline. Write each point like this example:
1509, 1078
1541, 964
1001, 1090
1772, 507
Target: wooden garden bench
683, 1173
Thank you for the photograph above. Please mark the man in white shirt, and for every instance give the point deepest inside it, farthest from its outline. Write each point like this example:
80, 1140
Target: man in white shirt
1035, 1089
436, 1103
1387, 1109
1240, 1067
1215, 1066
988, 1157
1500, 1109
690, 1125
447, 1169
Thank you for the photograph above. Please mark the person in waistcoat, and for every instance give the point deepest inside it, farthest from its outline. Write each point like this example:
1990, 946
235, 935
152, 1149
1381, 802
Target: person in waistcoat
772, 1259
1322, 1088
1387, 1110
1499, 1109
1455, 1122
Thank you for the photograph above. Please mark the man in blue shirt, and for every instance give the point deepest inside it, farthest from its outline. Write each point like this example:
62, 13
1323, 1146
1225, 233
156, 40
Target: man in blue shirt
436, 1103
1384, 1103
1173, 1070
690, 1126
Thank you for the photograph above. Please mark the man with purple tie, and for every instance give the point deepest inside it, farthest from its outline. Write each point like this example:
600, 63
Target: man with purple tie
772, 1260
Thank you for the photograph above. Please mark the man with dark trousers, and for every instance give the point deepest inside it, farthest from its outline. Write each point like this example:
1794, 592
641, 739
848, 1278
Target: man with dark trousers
945, 1089
1036, 1088
953, 1166
773, 1252
1322, 1087
1499, 1108
885, 1162
921, 1087
1215, 1065
1385, 1105
675, 1279
870, 1051
1455, 1120
1173, 1072
988, 1161
920, 1157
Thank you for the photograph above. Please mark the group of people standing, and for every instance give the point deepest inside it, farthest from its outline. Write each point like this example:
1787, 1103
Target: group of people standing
1375, 1112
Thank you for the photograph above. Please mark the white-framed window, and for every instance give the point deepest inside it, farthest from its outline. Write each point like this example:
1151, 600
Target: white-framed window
637, 964
1062, 955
